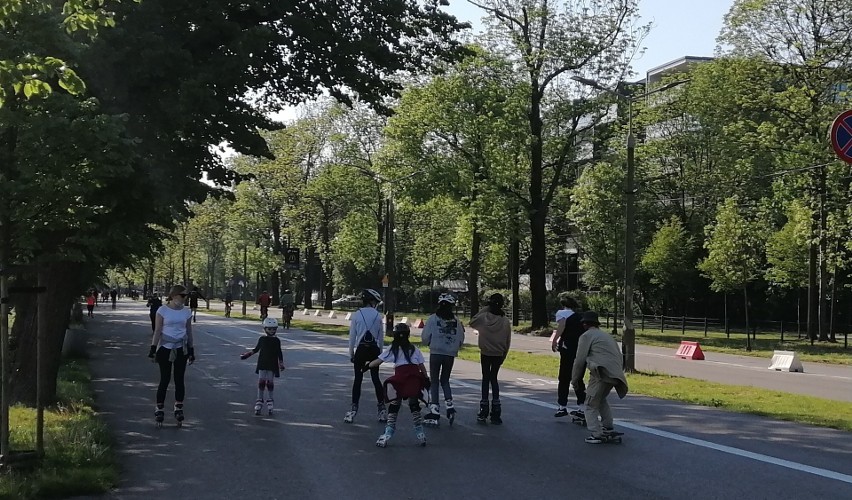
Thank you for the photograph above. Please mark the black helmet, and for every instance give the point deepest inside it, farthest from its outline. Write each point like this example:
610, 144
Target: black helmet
401, 330
371, 295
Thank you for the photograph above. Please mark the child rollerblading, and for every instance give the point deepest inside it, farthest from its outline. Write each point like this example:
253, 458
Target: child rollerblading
408, 382
444, 334
495, 339
366, 340
270, 363
599, 352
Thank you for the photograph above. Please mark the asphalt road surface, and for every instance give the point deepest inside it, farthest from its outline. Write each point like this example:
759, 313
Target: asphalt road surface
670, 450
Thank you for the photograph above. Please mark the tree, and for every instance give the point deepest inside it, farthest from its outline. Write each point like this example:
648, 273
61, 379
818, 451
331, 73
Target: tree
734, 245
464, 127
547, 43
808, 44
669, 260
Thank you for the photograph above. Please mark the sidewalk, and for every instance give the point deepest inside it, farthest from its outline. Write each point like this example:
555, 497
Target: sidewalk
819, 380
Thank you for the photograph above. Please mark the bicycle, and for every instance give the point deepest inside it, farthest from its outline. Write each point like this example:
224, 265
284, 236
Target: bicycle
287, 316
228, 309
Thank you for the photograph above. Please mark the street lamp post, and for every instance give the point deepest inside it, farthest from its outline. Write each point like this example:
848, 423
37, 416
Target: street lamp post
628, 338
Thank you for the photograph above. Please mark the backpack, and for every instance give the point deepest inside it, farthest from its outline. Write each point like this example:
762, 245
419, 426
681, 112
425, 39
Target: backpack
369, 340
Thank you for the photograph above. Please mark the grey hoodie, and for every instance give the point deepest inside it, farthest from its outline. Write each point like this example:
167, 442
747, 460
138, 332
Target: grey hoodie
495, 333
443, 336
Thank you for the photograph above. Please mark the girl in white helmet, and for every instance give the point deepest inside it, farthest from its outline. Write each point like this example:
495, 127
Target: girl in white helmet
270, 363
444, 334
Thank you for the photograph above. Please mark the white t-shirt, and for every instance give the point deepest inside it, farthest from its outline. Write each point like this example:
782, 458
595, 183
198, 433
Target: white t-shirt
174, 326
416, 357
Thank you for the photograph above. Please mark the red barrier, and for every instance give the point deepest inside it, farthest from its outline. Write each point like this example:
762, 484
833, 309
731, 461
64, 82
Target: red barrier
690, 350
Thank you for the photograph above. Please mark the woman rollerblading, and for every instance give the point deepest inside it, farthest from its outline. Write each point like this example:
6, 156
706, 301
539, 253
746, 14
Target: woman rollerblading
495, 339
172, 348
444, 334
366, 340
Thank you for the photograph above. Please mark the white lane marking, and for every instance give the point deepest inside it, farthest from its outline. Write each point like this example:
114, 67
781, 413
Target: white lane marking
758, 457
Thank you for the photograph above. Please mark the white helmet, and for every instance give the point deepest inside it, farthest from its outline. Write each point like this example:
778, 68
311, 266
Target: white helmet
270, 323
448, 298
371, 295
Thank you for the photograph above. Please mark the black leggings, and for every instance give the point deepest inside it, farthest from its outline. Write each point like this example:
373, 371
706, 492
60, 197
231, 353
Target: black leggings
166, 374
490, 368
363, 355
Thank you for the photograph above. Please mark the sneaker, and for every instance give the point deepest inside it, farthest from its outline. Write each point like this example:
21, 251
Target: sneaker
594, 439
561, 412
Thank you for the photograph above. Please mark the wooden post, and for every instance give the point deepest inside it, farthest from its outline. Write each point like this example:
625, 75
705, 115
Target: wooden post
683, 325
705, 326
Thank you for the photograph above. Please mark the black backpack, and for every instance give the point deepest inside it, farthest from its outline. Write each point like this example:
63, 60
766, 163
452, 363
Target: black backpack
369, 339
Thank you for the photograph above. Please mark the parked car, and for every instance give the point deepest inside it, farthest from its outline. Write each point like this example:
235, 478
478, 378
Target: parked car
346, 301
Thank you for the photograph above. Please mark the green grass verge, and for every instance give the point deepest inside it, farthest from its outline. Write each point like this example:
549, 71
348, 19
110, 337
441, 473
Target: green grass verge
79, 457
742, 399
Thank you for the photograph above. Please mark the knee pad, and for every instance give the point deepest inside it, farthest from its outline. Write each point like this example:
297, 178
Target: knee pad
261, 384
394, 406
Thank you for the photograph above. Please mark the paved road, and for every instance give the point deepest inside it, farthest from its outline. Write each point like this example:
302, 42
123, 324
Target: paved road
671, 450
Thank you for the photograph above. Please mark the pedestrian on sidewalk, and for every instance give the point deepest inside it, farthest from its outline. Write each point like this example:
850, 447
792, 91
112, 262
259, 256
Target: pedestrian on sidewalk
408, 382
172, 348
495, 339
565, 341
270, 364
91, 300
154, 304
366, 340
599, 352
113, 295
443, 333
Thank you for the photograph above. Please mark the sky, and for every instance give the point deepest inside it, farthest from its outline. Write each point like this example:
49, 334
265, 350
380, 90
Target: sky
679, 28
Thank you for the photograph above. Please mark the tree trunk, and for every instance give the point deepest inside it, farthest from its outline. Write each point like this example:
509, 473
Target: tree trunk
748, 332
813, 293
62, 283
327, 269
537, 211
831, 335
475, 265
514, 277
823, 261
278, 251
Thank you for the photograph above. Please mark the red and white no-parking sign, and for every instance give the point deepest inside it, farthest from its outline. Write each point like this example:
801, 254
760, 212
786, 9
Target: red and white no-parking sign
841, 136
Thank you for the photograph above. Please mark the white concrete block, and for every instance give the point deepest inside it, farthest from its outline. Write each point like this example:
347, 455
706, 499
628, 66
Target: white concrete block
786, 361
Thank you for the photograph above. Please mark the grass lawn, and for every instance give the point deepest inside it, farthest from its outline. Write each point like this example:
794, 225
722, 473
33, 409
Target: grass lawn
742, 399
78, 458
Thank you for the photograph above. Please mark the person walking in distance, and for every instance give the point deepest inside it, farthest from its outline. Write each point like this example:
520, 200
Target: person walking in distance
443, 333
598, 352
229, 302
172, 348
113, 294
366, 340
408, 381
154, 304
91, 300
194, 295
270, 364
495, 339
565, 339
264, 301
